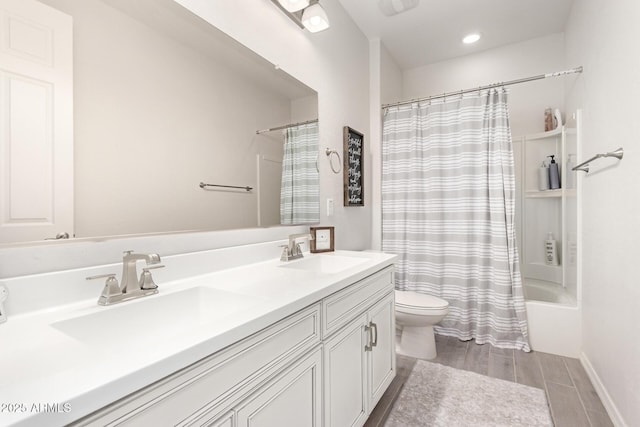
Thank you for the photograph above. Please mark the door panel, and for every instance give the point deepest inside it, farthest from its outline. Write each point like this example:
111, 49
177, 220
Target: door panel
36, 118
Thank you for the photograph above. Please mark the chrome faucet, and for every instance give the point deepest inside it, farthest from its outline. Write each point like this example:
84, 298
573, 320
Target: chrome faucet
292, 250
132, 287
130, 282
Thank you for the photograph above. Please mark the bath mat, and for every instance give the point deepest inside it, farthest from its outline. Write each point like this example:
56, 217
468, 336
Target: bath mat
437, 395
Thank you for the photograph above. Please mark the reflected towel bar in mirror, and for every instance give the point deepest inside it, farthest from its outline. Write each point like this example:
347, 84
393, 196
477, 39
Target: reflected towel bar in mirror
247, 188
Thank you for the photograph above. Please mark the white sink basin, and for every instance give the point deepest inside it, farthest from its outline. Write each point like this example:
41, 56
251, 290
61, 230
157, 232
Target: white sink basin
325, 264
153, 318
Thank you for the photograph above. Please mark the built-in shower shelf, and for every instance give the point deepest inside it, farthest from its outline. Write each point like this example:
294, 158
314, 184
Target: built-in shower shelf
544, 194
533, 194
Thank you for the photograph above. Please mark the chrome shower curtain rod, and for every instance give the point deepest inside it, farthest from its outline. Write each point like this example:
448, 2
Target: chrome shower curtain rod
491, 86
290, 125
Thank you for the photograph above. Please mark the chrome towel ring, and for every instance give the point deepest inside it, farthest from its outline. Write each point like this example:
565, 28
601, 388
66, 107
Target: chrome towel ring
329, 152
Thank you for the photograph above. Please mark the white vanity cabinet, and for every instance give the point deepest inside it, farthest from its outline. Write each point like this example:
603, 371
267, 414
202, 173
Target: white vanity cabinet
359, 359
208, 392
327, 364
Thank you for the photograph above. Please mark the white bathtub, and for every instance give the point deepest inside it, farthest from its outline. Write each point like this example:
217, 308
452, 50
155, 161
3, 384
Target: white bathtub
543, 291
554, 318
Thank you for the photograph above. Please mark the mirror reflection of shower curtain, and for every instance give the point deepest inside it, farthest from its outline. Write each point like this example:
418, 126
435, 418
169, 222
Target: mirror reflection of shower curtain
300, 189
448, 211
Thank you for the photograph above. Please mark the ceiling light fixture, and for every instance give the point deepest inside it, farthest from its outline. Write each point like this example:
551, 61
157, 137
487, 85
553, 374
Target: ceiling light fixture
310, 16
393, 7
315, 19
471, 38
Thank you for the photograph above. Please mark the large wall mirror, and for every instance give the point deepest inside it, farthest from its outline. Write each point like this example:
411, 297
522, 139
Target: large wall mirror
163, 101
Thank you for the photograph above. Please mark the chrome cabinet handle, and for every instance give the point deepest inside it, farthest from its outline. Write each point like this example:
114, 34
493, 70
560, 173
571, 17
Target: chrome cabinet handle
372, 331
374, 327
368, 346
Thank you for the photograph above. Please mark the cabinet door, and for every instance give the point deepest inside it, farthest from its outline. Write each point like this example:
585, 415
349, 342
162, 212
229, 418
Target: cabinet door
293, 398
345, 376
382, 357
224, 421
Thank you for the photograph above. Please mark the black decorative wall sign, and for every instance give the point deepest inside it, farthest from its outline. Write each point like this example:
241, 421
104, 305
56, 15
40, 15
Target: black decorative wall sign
353, 167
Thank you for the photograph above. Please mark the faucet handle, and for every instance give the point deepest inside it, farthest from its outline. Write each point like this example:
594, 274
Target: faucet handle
285, 253
146, 280
111, 287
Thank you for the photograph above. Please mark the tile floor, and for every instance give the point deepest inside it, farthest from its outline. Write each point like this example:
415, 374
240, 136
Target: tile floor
572, 398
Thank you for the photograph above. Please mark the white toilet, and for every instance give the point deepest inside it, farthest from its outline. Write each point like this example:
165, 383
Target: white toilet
415, 316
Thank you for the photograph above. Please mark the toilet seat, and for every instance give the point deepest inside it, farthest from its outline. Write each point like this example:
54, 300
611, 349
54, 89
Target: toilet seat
421, 304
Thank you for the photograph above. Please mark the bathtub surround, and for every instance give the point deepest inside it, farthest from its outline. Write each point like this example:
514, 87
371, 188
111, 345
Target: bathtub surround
448, 207
438, 395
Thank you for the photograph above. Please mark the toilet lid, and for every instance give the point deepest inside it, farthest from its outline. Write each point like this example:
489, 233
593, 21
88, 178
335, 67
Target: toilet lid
419, 301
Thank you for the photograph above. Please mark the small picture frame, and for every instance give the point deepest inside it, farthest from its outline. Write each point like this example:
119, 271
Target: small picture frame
323, 240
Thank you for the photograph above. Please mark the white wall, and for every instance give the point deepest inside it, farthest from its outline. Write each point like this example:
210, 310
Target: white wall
603, 37
386, 87
391, 76
335, 63
526, 102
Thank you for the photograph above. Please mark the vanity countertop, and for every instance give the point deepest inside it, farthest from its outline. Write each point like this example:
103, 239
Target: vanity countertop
64, 362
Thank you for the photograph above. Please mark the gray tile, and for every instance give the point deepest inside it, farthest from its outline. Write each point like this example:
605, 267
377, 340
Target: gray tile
404, 365
501, 367
599, 419
528, 370
553, 369
381, 411
451, 352
477, 358
587, 393
566, 408
507, 352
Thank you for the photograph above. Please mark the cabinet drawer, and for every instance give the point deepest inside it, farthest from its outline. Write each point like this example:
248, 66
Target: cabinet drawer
212, 384
343, 306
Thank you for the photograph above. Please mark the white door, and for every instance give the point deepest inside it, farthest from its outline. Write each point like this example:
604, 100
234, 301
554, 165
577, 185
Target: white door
36, 122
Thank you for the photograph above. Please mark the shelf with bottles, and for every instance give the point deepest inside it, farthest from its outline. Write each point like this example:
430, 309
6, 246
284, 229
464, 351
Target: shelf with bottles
549, 194
544, 135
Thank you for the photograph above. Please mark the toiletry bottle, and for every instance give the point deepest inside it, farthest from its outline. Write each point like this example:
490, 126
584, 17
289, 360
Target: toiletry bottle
550, 250
569, 173
554, 174
557, 118
543, 177
548, 119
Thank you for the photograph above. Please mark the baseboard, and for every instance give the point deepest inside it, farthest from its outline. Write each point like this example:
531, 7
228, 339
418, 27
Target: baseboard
612, 410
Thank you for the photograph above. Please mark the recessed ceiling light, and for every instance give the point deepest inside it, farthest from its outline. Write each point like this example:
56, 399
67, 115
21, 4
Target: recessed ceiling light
471, 38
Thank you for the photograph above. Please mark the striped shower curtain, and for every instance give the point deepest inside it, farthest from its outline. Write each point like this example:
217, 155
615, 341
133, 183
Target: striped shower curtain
448, 207
300, 186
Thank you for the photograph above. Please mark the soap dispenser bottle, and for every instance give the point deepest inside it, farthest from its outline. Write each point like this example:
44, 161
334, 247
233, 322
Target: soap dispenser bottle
554, 174
550, 250
543, 177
